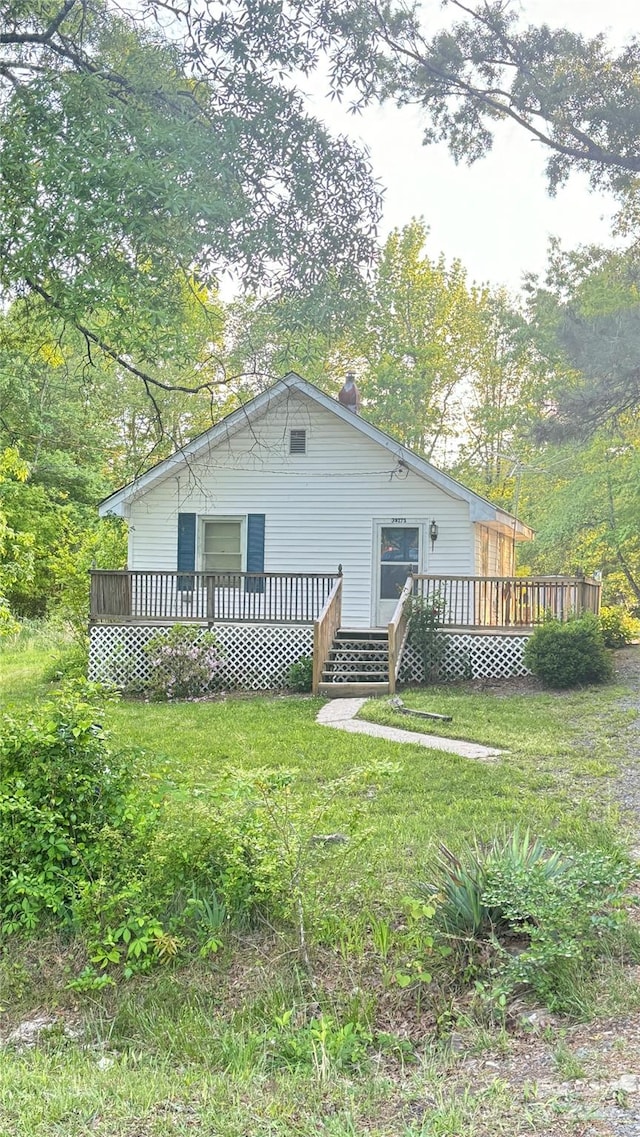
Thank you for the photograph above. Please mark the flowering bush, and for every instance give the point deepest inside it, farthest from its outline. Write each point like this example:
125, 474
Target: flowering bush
184, 663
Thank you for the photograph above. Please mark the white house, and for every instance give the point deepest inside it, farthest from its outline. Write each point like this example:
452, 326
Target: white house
293, 505
293, 482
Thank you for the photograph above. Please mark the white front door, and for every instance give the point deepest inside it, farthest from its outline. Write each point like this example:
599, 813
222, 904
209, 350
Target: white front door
397, 554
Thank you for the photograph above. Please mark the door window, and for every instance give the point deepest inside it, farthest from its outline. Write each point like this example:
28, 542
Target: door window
399, 555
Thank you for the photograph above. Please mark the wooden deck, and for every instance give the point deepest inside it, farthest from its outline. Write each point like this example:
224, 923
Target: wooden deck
505, 601
141, 597
484, 606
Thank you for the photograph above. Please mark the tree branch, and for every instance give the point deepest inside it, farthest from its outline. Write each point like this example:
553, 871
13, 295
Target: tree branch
40, 37
455, 84
147, 379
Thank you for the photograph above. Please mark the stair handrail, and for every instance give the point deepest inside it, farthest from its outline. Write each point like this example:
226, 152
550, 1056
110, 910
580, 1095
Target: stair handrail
324, 631
398, 629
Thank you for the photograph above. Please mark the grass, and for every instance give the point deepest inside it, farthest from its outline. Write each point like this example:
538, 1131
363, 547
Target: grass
200, 1048
554, 777
143, 1096
544, 781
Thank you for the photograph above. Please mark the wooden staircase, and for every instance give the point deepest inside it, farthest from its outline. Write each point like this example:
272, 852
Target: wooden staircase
357, 664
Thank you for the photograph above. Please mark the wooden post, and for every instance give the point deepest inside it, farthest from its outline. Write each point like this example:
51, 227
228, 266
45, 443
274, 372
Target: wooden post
391, 633
324, 630
318, 661
581, 593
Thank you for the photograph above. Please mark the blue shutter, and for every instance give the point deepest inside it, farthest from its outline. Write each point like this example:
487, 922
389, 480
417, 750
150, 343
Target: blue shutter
255, 552
186, 550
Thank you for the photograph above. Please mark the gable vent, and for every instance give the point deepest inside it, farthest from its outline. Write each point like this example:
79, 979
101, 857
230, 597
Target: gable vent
297, 442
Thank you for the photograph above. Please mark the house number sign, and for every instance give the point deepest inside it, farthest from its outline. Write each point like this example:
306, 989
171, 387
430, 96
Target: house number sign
398, 521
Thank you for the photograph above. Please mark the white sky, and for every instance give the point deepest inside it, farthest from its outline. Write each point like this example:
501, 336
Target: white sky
496, 216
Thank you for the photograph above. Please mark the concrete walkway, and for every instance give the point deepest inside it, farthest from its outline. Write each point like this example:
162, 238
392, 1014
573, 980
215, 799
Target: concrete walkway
340, 714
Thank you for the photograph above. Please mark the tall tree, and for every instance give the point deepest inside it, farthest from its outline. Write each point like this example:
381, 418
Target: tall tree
583, 499
574, 95
312, 334
417, 341
586, 318
136, 161
509, 384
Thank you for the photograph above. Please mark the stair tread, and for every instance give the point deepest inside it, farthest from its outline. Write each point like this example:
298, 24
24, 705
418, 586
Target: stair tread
353, 690
353, 676
363, 636
364, 653
356, 671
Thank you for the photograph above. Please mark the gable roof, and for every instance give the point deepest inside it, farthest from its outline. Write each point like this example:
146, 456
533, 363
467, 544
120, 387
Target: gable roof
480, 508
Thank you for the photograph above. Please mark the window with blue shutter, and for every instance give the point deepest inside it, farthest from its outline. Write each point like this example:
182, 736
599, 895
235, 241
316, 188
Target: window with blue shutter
255, 552
186, 550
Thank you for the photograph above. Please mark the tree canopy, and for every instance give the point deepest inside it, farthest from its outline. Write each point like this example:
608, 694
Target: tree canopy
575, 95
586, 316
138, 164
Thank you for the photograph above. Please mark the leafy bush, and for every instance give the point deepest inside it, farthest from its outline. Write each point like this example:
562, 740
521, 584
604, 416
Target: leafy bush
462, 880
323, 1043
562, 910
300, 675
251, 842
618, 626
425, 618
69, 662
185, 662
565, 655
75, 550
67, 809
9, 626
221, 844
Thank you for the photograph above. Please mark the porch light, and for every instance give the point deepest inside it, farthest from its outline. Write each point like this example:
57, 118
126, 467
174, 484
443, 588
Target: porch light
433, 534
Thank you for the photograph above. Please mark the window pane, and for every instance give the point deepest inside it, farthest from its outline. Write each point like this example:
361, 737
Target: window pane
393, 578
222, 537
222, 546
400, 545
221, 562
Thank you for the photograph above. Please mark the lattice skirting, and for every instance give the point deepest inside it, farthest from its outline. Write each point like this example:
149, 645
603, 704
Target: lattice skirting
470, 656
256, 657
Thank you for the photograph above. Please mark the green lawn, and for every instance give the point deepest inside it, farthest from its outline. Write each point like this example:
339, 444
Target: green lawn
554, 776
557, 752
21, 677
208, 1047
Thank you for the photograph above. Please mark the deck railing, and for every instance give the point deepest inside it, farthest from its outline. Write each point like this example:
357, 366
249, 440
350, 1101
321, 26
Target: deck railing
507, 601
137, 596
397, 631
324, 631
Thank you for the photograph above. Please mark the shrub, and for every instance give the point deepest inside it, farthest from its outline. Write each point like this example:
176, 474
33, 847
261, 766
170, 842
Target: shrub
462, 880
70, 662
300, 675
563, 910
185, 662
67, 812
9, 626
618, 626
425, 618
565, 655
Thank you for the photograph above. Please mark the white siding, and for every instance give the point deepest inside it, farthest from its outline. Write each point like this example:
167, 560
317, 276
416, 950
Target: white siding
321, 507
